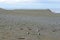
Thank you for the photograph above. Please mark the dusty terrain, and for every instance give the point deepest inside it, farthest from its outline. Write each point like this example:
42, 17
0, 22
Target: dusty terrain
25, 27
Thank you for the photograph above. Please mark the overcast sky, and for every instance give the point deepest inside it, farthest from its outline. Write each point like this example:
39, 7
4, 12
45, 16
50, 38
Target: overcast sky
31, 4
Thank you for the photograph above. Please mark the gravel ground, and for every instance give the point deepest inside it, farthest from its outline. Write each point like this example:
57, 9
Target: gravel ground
13, 27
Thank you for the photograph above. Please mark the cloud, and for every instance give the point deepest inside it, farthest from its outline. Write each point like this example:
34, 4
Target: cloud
17, 1
26, 1
54, 0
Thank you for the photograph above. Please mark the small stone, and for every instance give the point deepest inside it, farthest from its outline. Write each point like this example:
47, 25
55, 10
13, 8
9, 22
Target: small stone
29, 28
21, 28
38, 33
54, 30
28, 33
21, 38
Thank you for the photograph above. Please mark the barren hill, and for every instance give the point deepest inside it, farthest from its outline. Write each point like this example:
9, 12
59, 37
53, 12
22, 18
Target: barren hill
41, 12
